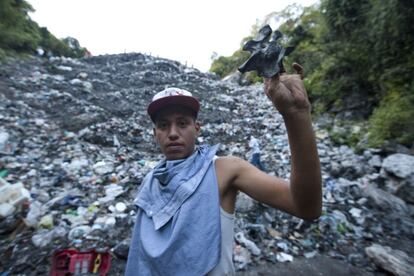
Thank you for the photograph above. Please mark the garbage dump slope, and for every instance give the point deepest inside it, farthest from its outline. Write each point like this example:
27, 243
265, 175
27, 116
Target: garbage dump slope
75, 135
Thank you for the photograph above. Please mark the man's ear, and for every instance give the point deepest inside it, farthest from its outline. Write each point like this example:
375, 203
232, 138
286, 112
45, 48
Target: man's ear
198, 127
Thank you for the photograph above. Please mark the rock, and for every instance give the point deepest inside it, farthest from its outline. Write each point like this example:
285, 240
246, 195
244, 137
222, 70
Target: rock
80, 141
325, 120
395, 261
375, 161
245, 203
392, 147
400, 165
406, 192
385, 200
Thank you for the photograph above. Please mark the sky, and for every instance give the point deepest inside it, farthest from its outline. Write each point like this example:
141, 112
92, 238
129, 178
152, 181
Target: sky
187, 31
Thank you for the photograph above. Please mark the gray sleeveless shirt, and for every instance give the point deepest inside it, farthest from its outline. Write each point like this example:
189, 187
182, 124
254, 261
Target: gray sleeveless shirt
225, 265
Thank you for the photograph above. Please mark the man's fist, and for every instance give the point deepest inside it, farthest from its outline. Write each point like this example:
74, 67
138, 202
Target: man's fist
287, 92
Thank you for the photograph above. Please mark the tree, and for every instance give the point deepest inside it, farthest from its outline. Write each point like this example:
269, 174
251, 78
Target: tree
358, 60
20, 35
17, 31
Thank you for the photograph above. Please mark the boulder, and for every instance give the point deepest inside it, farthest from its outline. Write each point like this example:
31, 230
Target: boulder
400, 170
395, 261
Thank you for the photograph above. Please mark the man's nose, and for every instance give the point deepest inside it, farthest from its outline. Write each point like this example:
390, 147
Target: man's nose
173, 134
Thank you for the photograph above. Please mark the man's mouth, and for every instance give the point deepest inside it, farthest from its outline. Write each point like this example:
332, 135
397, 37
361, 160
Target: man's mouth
174, 146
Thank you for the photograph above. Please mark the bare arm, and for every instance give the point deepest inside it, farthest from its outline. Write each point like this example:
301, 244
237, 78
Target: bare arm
301, 197
305, 179
289, 96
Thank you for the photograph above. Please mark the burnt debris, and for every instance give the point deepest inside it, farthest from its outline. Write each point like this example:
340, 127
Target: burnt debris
266, 53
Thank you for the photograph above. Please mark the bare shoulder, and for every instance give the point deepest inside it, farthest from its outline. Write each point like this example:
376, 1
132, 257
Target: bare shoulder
227, 170
229, 160
230, 164
237, 174
231, 169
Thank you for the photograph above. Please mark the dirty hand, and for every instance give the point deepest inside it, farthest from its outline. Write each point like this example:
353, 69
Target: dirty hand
287, 92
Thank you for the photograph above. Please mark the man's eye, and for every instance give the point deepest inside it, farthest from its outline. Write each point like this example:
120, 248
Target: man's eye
162, 125
182, 124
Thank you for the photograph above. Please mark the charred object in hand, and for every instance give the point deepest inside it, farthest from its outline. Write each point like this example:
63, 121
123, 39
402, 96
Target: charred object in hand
266, 53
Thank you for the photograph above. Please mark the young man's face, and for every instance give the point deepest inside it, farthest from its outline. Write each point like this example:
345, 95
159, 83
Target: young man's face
176, 132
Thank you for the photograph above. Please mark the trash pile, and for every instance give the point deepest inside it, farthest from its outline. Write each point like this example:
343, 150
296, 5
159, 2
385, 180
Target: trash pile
75, 144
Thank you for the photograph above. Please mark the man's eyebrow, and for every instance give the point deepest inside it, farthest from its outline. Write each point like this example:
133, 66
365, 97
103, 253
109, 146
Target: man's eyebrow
179, 117
185, 117
161, 120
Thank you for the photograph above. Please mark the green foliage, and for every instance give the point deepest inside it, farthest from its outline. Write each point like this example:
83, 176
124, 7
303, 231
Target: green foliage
352, 48
3, 54
68, 47
341, 228
20, 35
343, 66
17, 32
76, 49
224, 66
348, 132
253, 77
393, 119
370, 43
361, 48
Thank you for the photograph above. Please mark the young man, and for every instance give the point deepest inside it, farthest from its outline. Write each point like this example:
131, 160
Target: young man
186, 203
255, 153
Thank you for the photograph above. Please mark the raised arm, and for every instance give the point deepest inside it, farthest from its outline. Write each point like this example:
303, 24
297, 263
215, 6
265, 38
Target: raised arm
302, 196
289, 96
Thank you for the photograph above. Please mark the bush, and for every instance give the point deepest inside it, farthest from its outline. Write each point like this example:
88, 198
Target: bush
224, 66
393, 119
17, 32
19, 35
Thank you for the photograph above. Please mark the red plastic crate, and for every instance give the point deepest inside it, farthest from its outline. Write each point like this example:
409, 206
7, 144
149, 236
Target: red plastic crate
73, 262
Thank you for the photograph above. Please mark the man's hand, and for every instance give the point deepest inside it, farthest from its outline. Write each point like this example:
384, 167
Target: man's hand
287, 92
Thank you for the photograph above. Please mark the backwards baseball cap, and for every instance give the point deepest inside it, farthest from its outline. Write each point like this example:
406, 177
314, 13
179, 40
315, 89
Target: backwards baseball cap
172, 96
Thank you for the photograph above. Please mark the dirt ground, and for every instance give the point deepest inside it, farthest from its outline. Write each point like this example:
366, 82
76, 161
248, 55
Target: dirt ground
320, 266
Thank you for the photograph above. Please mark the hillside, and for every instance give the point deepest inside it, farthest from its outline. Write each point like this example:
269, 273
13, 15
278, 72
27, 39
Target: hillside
74, 132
